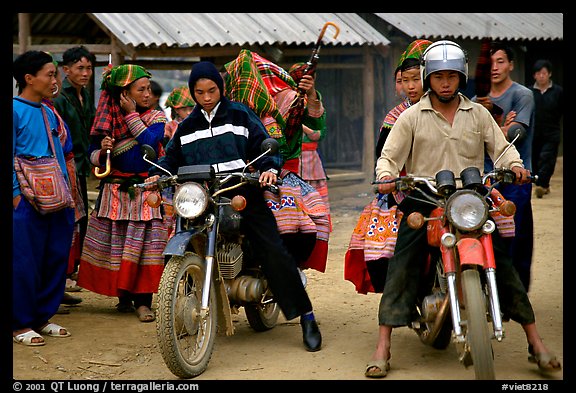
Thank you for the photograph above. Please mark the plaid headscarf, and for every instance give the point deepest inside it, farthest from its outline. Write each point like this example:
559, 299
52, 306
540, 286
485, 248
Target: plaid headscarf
414, 51
109, 119
254, 81
180, 97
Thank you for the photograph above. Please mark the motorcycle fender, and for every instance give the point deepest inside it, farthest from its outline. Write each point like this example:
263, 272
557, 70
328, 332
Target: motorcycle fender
471, 252
225, 323
178, 243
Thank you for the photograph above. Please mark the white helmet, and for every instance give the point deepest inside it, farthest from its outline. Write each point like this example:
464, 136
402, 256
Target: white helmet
444, 55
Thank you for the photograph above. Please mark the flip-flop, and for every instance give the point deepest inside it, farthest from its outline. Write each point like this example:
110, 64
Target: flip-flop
125, 307
53, 330
383, 366
544, 360
145, 314
26, 339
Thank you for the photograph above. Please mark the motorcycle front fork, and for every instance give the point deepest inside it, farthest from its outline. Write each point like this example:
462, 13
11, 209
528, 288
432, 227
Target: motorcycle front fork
209, 259
494, 308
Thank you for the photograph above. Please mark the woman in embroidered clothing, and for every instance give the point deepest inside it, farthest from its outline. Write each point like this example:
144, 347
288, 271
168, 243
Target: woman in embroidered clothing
300, 210
122, 253
311, 167
181, 104
374, 236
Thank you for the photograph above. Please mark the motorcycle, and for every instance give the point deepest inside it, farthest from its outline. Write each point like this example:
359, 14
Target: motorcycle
459, 297
209, 274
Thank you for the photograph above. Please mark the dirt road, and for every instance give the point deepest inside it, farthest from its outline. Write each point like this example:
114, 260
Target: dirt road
107, 345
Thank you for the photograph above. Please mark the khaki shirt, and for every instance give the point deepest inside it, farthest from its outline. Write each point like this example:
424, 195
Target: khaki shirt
425, 142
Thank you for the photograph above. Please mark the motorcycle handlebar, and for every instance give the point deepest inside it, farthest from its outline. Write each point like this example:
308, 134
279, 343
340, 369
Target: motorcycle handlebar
408, 182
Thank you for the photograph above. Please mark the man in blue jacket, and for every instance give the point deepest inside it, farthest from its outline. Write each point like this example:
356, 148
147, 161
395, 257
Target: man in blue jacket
227, 135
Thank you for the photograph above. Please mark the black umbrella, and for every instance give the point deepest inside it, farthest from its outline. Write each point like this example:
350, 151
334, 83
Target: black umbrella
296, 110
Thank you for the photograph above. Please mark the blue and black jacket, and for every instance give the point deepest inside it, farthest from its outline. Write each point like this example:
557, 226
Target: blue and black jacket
228, 142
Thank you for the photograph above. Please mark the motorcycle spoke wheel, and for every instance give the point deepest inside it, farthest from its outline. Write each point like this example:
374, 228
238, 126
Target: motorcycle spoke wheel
477, 331
185, 332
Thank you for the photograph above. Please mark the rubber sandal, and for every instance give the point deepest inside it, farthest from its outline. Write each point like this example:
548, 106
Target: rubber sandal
145, 314
27, 337
53, 330
543, 360
383, 368
125, 307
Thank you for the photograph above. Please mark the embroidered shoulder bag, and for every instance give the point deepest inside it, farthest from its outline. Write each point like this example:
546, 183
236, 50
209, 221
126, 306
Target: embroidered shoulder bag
42, 181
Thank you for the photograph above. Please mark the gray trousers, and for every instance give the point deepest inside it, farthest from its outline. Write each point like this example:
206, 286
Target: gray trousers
397, 305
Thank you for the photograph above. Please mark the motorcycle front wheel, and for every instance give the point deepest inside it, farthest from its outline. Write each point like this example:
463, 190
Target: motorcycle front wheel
185, 333
477, 331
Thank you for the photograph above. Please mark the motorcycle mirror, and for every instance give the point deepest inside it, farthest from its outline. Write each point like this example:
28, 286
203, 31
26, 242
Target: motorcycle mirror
148, 152
149, 155
516, 132
270, 145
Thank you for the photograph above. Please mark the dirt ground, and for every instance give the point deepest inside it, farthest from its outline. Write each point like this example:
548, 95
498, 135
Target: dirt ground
107, 345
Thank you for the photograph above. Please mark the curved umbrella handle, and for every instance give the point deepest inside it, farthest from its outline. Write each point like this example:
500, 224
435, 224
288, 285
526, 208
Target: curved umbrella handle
108, 167
325, 27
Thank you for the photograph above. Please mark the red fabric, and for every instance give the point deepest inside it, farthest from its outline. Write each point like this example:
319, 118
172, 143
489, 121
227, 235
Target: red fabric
308, 146
292, 165
74, 255
356, 272
110, 283
318, 257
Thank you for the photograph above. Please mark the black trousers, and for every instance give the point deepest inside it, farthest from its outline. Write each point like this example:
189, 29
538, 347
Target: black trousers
259, 226
544, 155
405, 270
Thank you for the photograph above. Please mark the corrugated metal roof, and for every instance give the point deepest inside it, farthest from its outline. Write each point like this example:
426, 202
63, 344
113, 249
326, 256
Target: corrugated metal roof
203, 29
512, 26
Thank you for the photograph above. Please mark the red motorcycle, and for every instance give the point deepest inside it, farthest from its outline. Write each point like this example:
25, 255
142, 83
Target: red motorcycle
460, 295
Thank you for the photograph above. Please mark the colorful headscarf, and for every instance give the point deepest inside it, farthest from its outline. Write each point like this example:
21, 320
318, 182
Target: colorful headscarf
109, 119
180, 97
414, 51
253, 80
123, 75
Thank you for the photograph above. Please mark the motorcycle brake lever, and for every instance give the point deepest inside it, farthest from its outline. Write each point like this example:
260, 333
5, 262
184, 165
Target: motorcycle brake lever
273, 189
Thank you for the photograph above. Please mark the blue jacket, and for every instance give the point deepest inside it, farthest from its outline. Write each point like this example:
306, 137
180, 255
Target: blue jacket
231, 139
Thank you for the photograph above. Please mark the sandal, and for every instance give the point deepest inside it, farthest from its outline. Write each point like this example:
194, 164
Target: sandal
377, 368
125, 307
55, 330
27, 337
145, 314
544, 360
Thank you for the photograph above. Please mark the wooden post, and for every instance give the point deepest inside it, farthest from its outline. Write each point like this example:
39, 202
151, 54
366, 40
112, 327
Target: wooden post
368, 145
24, 39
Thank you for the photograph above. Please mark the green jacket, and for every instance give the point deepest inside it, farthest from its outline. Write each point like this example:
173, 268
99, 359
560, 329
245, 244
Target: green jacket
293, 148
79, 120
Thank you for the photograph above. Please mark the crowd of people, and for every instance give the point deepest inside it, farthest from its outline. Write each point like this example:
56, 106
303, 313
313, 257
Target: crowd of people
115, 248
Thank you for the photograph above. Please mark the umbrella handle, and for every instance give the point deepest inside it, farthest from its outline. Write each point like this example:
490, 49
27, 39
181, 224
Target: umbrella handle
325, 27
108, 167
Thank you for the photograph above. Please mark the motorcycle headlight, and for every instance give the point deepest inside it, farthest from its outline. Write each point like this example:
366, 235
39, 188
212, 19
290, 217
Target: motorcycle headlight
190, 200
467, 210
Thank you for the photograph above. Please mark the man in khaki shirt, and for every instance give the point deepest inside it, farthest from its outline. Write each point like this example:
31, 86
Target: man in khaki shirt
426, 142
444, 130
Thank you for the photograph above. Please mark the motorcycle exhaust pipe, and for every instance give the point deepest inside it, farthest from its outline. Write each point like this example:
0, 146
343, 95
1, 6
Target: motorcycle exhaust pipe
438, 322
246, 289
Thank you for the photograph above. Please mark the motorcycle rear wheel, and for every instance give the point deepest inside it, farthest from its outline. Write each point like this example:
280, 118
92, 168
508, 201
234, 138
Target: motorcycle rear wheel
477, 331
185, 337
262, 317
